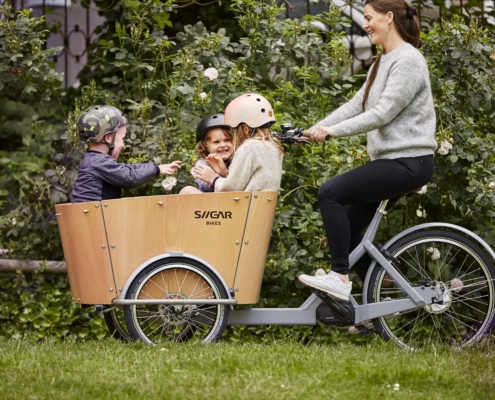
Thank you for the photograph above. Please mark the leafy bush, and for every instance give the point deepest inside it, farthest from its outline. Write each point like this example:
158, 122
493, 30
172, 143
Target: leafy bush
38, 306
166, 93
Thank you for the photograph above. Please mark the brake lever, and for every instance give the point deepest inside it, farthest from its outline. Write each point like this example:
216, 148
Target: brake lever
299, 133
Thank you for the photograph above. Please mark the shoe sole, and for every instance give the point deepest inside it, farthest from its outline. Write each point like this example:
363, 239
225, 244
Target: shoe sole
333, 294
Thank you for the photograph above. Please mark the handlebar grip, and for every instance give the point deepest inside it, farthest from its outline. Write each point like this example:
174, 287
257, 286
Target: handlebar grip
306, 134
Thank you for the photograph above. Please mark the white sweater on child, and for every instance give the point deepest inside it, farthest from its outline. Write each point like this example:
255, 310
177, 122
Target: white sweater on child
257, 166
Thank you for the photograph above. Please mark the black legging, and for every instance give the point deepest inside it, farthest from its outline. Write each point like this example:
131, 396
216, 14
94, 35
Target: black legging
349, 201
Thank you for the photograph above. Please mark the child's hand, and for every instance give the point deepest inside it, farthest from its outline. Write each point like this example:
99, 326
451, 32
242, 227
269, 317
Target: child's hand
217, 164
206, 174
169, 169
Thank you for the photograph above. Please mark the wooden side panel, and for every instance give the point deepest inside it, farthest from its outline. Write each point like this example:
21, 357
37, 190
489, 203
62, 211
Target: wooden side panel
88, 263
254, 247
209, 226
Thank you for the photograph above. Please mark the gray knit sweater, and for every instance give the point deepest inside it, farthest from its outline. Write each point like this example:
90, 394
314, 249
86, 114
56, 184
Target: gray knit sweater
257, 166
399, 118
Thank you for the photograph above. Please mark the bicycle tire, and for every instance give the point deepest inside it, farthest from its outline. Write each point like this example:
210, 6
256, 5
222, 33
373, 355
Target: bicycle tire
456, 264
114, 319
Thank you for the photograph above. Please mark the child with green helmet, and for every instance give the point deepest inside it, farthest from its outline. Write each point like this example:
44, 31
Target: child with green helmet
100, 176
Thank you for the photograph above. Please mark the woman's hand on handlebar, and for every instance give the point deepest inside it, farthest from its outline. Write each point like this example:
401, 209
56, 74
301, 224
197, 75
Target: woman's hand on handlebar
319, 133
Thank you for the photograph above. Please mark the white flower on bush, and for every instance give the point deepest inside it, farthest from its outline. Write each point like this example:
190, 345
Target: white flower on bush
211, 73
445, 147
3, 251
157, 160
491, 185
435, 253
203, 95
14, 221
169, 182
423, 190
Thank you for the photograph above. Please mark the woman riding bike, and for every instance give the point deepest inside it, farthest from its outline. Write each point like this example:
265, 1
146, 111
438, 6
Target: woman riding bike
395, 109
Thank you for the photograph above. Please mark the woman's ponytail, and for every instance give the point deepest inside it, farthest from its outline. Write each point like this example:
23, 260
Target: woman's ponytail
406, 22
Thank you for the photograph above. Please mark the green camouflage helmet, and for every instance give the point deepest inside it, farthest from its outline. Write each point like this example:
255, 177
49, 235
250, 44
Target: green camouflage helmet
98, 121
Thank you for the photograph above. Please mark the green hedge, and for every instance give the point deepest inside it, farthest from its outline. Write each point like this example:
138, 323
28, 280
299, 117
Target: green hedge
162, 86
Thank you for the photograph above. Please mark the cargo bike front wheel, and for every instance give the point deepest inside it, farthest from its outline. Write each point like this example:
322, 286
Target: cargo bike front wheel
176, 280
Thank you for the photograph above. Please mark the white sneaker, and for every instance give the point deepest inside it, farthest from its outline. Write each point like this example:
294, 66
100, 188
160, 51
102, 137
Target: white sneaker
331, 284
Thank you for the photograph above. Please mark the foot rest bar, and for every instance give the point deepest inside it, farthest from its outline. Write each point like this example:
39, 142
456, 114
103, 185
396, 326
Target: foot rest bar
173, 302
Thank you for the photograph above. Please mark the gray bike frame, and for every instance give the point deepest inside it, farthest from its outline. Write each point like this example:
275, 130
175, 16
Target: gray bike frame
306, 313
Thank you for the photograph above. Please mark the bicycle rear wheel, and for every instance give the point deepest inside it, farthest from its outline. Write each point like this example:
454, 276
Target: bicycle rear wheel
464, 273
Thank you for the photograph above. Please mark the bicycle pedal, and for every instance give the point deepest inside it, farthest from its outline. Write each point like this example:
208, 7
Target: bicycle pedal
363, 330
330, 300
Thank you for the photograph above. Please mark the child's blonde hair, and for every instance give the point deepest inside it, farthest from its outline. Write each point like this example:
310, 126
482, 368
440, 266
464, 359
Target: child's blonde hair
262, 133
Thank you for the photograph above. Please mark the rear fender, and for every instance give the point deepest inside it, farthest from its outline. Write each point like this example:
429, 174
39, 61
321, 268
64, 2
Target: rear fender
417, 228
167, 255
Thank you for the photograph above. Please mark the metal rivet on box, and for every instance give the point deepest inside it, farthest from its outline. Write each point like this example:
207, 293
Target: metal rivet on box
85, 211
255, 196
120, 289
111, 289
236, 289
113, 246
246, 196
160, 203
106, 204
237, 242
236, 198
103, 246
246, 242
269, 199
97, 205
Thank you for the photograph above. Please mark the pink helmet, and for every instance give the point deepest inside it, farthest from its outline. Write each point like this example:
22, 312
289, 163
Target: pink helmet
251, 109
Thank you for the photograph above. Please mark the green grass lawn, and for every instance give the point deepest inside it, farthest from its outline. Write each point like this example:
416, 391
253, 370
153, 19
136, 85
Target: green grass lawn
108, 369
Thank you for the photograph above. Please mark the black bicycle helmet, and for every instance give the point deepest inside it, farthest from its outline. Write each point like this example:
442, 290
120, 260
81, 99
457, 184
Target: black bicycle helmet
209, 122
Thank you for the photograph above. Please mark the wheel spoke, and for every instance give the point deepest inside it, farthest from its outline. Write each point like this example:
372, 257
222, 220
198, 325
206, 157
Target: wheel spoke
175, 281
463, 311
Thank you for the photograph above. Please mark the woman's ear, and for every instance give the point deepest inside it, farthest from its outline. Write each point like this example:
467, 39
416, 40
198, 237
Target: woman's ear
390, 17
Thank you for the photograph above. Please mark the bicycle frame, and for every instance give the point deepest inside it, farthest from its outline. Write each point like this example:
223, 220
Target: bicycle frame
306, 313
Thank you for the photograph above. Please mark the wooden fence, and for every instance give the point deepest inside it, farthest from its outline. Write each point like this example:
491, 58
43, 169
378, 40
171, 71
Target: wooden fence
54, 267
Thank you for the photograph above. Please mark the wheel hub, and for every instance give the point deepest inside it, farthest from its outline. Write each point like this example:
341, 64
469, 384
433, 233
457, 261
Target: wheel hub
443, 299
175, 315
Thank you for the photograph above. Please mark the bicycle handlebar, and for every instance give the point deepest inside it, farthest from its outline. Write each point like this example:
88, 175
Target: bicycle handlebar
296, 135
